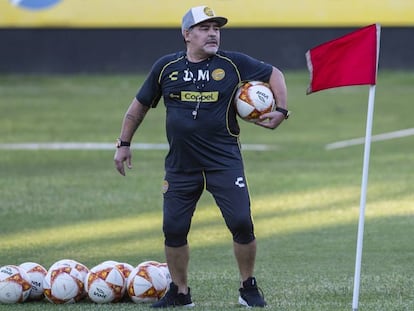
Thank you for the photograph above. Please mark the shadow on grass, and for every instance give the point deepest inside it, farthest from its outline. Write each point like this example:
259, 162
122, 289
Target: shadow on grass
303, 270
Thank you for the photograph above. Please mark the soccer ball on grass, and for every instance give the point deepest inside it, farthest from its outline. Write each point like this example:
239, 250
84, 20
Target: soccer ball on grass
15, 284
146, 283
105, 283
64, 282
36, 273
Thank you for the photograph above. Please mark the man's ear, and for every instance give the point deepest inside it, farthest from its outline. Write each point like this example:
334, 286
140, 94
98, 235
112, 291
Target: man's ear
186, 33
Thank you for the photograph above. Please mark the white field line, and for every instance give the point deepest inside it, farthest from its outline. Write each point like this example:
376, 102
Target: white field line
361, 140
108, 146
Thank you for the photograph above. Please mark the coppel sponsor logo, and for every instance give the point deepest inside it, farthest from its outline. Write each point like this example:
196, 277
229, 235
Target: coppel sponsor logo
34, 4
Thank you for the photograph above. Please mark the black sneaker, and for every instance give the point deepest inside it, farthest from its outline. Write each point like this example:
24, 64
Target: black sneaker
174, 299
251, 295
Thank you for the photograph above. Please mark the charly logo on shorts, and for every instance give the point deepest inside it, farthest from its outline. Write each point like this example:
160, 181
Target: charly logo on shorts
34, 4
165, 186
240, 182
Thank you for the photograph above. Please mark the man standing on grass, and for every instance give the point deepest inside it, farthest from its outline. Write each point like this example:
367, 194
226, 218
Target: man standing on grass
197, 86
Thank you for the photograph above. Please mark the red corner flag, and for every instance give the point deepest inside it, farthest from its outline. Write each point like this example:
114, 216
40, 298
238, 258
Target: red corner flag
347, 60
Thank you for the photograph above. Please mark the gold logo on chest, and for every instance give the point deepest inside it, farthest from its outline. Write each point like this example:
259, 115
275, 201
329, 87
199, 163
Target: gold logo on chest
218, 74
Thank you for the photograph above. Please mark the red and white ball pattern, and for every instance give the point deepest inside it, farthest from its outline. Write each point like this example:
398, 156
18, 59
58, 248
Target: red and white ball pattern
105, 283
146, 283
64, 282
253, 99
15, 284
36, 273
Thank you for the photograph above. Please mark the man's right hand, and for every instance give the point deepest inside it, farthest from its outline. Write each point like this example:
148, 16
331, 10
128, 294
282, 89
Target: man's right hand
123, 154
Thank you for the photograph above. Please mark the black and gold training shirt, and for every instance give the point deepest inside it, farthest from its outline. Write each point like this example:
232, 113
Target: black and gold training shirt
201, 123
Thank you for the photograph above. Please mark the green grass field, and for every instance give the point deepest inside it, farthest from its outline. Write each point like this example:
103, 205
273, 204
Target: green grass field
57, 204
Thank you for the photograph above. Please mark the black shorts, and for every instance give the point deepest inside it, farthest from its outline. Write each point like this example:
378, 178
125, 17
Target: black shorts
182, 192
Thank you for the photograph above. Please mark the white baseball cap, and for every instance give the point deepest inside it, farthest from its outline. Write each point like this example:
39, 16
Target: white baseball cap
201, 14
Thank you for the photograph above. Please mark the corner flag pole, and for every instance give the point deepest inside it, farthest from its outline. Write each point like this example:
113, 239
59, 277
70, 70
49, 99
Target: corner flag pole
363, 197
364, 183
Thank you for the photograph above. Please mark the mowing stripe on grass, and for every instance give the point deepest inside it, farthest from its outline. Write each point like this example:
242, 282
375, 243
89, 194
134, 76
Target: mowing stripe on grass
108, 146
361, 140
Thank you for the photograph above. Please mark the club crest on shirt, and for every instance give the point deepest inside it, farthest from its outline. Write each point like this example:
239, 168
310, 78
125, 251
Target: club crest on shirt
218, 74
